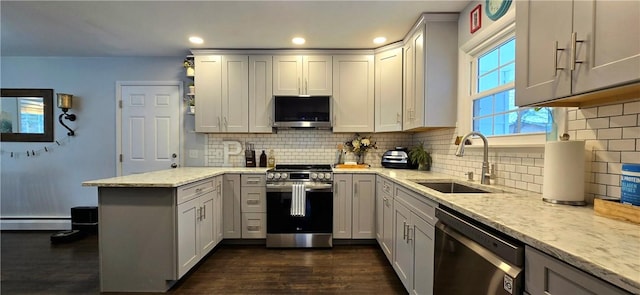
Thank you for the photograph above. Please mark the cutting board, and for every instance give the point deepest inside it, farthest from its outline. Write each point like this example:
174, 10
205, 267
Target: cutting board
617, 210
356, 166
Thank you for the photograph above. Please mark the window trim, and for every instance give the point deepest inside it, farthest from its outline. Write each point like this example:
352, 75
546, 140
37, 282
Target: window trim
494, 34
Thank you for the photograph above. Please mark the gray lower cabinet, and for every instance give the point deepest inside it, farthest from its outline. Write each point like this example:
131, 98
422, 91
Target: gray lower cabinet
354, 206
414, 238
253, 196
232, 223
384, 215
545, 275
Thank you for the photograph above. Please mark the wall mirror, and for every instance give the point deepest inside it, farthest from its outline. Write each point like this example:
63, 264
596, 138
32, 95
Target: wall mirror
26, 115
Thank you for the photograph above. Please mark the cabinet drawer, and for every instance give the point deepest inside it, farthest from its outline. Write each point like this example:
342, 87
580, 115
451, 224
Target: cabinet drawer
424, 207
192, 190
387, 187
253, 200
253, 180
254, 225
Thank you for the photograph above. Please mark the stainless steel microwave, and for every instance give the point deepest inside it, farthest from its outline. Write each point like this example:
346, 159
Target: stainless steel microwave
302, 112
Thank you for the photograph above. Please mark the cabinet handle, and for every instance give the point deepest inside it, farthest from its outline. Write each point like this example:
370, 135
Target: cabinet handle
299, 90
555, 59
199, 213
574, 41
355, 189
253, 202
198, 190
404, 230
409, 238
306, 86
398, 118
219, 124
204, 212
253, 227
226, 123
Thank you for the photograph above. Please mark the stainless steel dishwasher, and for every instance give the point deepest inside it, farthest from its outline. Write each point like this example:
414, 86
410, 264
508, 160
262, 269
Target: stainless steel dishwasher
473, 259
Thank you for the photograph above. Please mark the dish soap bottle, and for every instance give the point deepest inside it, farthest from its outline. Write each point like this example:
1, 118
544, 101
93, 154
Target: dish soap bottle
263, 159
271, 162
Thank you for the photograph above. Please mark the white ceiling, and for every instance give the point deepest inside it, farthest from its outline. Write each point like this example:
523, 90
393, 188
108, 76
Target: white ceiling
161, 28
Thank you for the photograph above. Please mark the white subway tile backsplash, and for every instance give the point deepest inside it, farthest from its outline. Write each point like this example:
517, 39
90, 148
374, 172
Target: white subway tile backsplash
622, 145
586, 113
610, 110
631, 132
598, 123
630, 157
585, 134
577, 124
632, 107
624, 121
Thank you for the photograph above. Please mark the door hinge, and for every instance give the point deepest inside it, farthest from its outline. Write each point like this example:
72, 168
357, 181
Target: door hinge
120, 158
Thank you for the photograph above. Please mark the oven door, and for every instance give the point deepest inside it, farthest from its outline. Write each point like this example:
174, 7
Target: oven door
318, 212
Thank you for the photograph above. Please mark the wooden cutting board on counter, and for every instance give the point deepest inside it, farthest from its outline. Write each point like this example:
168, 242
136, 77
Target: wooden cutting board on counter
353, 166
616, 210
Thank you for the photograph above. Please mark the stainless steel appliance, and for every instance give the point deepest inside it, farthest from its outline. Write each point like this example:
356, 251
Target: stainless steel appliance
300, 206
302, 112
397, 158
473, 259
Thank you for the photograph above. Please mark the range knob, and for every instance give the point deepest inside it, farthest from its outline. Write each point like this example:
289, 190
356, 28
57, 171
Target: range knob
283, 175
276, 176
327, 175
314, 175
320, 175
269, 175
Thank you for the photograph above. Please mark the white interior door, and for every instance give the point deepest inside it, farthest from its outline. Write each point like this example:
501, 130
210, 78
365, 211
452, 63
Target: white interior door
149, 128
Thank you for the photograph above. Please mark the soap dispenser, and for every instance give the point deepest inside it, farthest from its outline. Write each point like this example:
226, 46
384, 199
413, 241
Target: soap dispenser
271, 162
263, 159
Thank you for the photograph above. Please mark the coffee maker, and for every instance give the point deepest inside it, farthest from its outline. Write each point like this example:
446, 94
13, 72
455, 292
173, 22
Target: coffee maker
249, 155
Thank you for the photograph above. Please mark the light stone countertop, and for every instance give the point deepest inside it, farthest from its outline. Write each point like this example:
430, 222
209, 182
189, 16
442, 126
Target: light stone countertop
606, 248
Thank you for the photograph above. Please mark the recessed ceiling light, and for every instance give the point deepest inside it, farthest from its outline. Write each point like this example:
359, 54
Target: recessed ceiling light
298, 40
196, 40
379, 40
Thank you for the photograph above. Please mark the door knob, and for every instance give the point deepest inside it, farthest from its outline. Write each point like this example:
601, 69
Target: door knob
174, 165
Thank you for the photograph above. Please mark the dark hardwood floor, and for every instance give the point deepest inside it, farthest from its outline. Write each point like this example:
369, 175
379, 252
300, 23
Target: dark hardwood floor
30, 264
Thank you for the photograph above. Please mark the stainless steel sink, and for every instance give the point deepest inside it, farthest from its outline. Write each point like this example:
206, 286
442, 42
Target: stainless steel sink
452, 187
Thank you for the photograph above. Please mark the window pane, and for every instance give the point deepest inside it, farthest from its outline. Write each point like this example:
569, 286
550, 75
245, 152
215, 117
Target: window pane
484, 125
488, 62
504, 101
501, 124
483, 106
534, 121
507, 73
508, 52
489, 81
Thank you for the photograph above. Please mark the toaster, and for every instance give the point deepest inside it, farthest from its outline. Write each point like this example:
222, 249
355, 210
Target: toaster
397, 158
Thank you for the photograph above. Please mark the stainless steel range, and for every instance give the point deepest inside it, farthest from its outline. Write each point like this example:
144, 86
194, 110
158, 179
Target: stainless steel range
300, 206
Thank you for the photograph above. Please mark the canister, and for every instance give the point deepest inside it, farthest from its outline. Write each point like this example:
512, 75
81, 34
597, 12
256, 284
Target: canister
630, 184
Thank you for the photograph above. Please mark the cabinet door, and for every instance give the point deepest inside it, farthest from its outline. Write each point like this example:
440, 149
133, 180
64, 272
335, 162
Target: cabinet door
380, 198
188, 236
417, 113
407, 87
610, 50
388, 91
235, 93
206, 226
218, 216
316, 77
543, 33
423, 239
342, 192
287, 75
388, 226
231, 206
402, 246
260, 93
208, 84
353, 99
363, 219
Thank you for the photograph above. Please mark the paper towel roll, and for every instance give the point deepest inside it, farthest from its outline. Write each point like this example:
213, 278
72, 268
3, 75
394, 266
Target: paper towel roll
564, 172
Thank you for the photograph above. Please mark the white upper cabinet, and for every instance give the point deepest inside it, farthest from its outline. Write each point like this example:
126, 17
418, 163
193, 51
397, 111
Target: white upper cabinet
566, 48
430, 73
208, 84
302, 75
260, 93
353, 99
223, 93
388, 90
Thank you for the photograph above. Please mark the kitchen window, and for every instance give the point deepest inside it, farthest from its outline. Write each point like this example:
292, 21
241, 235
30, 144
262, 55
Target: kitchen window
494, 112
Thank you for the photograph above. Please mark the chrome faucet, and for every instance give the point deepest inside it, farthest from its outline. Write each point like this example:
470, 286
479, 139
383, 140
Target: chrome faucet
485, 176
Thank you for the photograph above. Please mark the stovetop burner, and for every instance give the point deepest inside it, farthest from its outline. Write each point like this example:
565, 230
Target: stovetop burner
301, 167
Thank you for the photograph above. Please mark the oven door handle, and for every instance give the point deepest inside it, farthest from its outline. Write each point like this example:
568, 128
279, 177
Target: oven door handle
328, 188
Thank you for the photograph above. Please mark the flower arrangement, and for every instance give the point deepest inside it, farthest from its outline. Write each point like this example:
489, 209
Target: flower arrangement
359, 145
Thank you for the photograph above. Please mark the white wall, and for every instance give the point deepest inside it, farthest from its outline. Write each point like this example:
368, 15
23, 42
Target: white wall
49, 184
